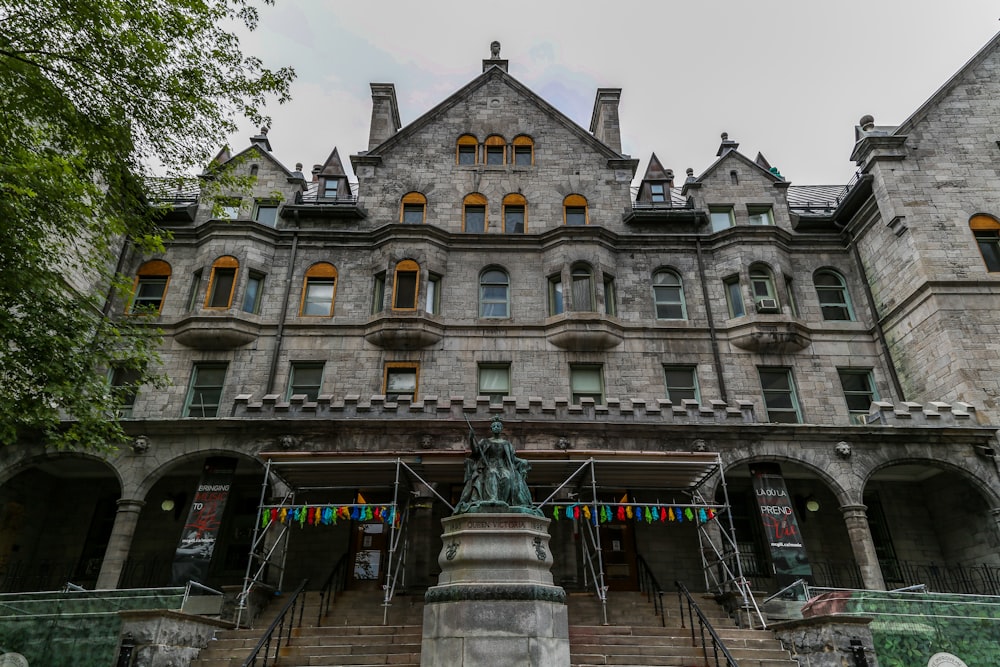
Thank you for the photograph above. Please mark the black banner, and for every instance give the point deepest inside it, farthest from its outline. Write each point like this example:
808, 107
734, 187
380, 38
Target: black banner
201, 530
781, 530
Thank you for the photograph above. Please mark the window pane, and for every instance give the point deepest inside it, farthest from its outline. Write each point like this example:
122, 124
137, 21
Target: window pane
378, 293
406, 290
475, 219
513, 219
682, 384
734, 297
555, 296
583, 291
267, 215
149, 295
668, 296
989, 246
522, 156
251, 298
859, 390
306, 379
205, 392
721, 219
761, 216
610, 296
413, 214
494, 154
586, 382
433, 301
222, 287
123, 380
400, 382
319, 297
467, 155
779, 396
330, 188
494, 379
576, 215
656, 192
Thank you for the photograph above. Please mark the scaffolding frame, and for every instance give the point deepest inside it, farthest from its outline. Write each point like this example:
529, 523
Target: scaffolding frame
576, 478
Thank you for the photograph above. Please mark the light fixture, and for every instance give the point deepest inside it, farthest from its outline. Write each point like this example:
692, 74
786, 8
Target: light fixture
167, 505
812, 504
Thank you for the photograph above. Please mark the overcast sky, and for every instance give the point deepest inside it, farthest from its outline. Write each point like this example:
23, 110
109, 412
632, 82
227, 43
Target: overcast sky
788, 78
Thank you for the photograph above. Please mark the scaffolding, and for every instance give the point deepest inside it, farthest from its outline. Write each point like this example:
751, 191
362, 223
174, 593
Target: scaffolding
567, 479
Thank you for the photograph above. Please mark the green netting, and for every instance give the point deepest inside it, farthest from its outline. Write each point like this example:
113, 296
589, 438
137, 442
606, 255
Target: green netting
79, 629
909, 628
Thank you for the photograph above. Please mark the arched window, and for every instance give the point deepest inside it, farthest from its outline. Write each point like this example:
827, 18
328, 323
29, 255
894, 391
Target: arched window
496, 150
583, 288
474, 214
494, 293
405, 285
515, 214
413, 209
668, 296
465, 149
834, 300
575, 210
318, 290
986, 229
524, 151
150, 287
222, 282
762, 288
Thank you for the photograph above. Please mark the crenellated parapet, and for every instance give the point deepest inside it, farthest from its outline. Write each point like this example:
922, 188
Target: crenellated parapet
935, 413
353, 406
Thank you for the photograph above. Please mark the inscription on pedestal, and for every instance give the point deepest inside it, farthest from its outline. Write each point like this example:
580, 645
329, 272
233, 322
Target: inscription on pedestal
493, 525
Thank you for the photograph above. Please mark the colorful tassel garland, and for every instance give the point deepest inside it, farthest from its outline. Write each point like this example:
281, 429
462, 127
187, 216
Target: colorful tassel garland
555, 512
621, 513
702, 515
688, 514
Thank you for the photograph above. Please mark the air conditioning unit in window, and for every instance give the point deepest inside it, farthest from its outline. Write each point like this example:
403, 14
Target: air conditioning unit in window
767, 305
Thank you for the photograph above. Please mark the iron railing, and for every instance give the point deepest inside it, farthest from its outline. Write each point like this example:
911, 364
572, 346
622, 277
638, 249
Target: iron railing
693, 610
280, 629
651, 587
334, 584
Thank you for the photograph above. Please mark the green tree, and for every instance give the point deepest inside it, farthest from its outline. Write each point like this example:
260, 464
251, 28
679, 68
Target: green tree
95, 95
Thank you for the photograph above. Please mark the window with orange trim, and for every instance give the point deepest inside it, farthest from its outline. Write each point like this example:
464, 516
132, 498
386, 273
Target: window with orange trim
413, 209
405, 285
474, 214
986, 229
515, 214
524, 151
318, 290
495, 149
150, 287
466, 149
222, 282
575, 210
401, 379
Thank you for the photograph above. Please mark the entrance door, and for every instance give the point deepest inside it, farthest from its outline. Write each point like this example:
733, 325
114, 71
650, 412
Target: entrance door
369, 548
618, 554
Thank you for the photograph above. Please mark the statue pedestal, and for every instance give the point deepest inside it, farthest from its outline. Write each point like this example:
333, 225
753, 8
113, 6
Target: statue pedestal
495, 603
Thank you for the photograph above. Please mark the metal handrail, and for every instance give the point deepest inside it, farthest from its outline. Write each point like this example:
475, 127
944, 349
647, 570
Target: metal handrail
797, 582
278, 628
718, 646
334, 583
651, 587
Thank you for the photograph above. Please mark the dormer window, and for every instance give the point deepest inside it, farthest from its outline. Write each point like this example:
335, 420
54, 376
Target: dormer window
466, 149
657, 192
496, 150
330, 188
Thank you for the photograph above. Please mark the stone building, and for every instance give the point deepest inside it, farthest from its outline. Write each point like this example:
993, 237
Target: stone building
646, 347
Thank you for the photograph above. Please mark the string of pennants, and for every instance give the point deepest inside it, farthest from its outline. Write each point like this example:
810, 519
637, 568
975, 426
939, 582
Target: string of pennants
327, 515
637, 513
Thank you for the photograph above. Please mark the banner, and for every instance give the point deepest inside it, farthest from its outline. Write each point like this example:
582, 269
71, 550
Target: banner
201, 530
781, 530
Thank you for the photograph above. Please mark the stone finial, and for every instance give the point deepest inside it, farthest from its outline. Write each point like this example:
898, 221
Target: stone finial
140, 444
298, 166
843, 449
867, 122
689, 172
725, 136
495, 50
264, 130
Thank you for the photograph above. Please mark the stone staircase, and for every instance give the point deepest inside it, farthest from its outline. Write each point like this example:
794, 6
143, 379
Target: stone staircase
353, 634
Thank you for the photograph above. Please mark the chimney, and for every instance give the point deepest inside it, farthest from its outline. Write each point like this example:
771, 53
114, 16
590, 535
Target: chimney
315, 172
604, 124
385, 114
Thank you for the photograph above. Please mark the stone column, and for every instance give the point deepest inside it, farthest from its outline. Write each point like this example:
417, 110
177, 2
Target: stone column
863, 546
996, 519
120, 542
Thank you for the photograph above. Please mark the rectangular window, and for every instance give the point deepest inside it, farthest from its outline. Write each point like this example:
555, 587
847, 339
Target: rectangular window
760, 215
404, 296
331, 187
522, 156
220, 293
555, 295
432, 304
576, 215
494, 155
859, 392
513, 219
586, 381
378, 293
252, 295
779, 395
793, 305
734, 296
306, 378
205, 391
267, 213
413, 214
494, 381
228, 208
989, 246
610, 298
467, 154
475, 219
318, 299
682, 383
149, 291
657, 192
193, 292
125, 390
400, 380
721, 218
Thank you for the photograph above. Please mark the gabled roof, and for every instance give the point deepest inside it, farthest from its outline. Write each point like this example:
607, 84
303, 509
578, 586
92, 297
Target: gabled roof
655, 171
333, 166
481, 80
736, 155
989, 49
264, 154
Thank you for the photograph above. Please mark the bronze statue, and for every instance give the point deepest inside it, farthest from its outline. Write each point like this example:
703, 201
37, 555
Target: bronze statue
495, 478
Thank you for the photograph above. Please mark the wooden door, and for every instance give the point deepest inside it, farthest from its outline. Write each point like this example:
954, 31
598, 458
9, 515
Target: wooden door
618, 555
369, 551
